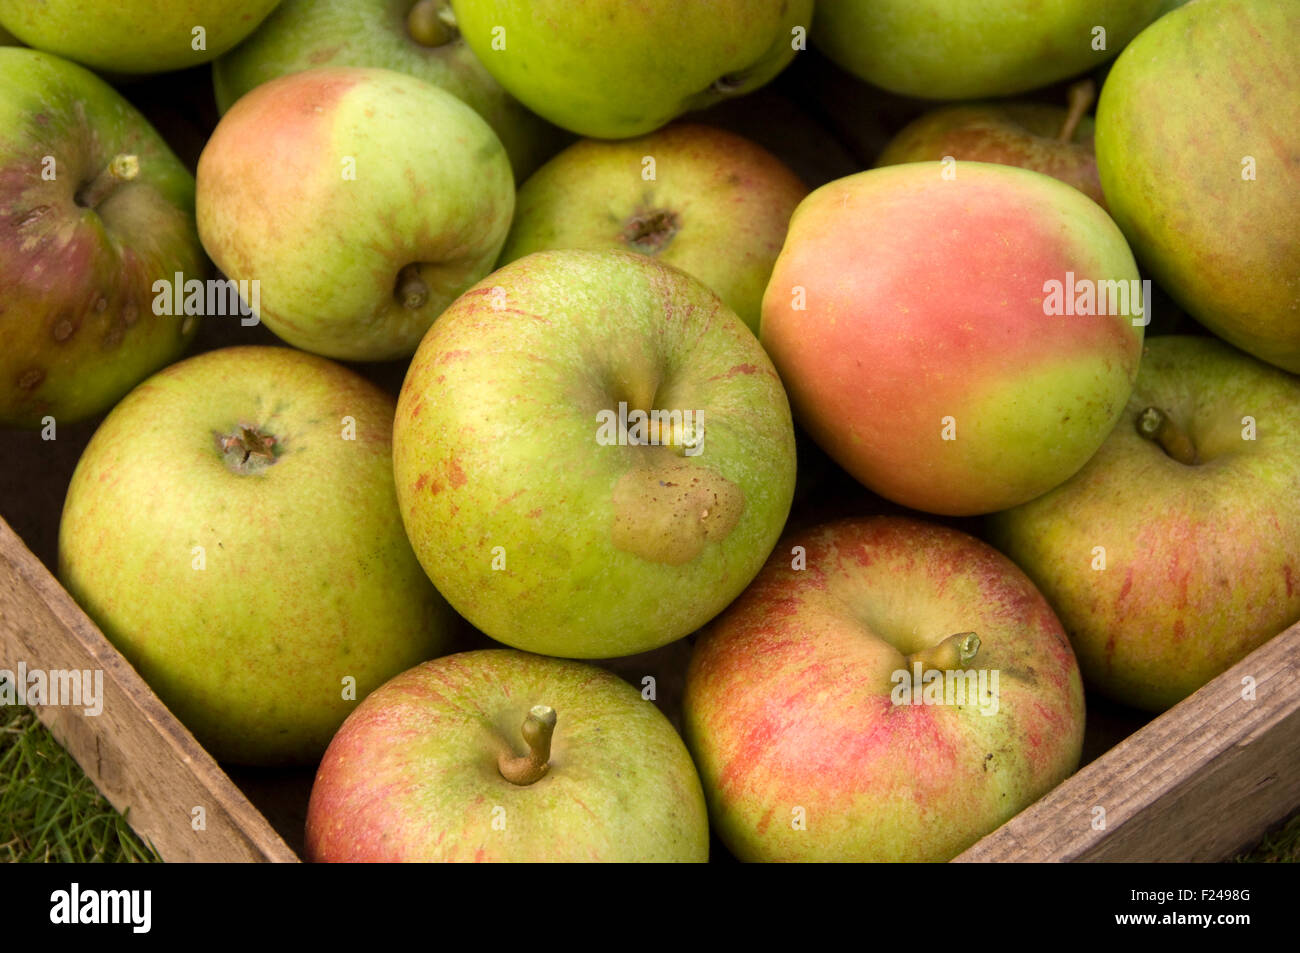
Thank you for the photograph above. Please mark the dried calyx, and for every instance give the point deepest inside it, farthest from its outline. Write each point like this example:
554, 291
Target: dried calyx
247, 449
432, 23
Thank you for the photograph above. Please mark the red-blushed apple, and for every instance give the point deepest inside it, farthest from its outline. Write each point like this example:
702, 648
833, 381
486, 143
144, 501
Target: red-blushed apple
709, 202
967, 350
362, 200
885, 690
1046, 139
94, 208
232, 528
498, 755
593, 454
1176, 550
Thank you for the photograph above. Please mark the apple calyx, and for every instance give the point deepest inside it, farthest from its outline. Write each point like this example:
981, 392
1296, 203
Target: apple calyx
247, 450
1155, 425
952, 653
537, 730
650, 232
411, 291
122, 168
432, 23
1082, 94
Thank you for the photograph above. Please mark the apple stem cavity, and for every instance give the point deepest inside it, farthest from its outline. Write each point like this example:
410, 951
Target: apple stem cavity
247, 450
1157, 426
412, 292
538, 728
432, 23
1082, 95
122, 168
952, 653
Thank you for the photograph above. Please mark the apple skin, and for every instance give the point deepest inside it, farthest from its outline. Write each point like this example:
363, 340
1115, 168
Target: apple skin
496, 455
1019, 134
133, 36
77, 315
717, 208
937, 49
306, 34
788, 699
412, 775
307, 576
1202, 562
1179, 195
609, 69
937, 310
274, 205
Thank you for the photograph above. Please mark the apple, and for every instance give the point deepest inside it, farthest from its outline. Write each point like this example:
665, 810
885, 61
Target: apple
232, 527
885, 690
593, 454
134, 36
94, 208
420, 39
359, 232
1176, 551
497, 755
927, 355
7, 38
937, 49
710, 203
610, 69
1215, 218
1046, 139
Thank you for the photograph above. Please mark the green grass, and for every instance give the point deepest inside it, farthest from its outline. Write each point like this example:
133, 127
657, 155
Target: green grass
49, 810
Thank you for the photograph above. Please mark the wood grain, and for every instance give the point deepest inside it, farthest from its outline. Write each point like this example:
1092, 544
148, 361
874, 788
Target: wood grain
1199, 783
140, 757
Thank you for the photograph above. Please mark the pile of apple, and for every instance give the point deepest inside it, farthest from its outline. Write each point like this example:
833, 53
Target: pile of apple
593, 453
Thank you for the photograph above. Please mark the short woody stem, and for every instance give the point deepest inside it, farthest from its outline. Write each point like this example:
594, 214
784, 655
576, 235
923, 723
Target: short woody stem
123, 168
1157, 426
1082, 95
951, 654
538, 728
431, 23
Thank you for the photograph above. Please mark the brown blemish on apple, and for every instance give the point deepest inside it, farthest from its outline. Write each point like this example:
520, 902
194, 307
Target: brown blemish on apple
31, 378
64, 328
455, 475
666, 512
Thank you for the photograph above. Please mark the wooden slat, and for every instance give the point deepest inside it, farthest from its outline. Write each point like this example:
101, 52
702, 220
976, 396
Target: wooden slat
140, 757
1199, 783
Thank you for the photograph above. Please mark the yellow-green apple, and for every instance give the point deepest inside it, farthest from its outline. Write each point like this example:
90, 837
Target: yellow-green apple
710, 202
1047, 139
359, 232
593, 454
134, 36
937, 49
233, 529
1176, 550
1200, 161
611, 69
419, 38
969, 350
497, 755
885, 690
94, 208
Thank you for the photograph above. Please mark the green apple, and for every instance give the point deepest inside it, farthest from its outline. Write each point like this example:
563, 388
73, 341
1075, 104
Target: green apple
417, 38
498, 755
1046, 139
886, 690
1200, 161
708, 202
94, 209
593, 454
937, 49
134, 36
969, 350
1176, 550
233, 529
359, 231
611, 69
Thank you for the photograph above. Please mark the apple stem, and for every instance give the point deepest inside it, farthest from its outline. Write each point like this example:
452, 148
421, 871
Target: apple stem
122, 168
1082, 95
247, 450
431, 23
1155, 425
538, 728
412, 292
952, 653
